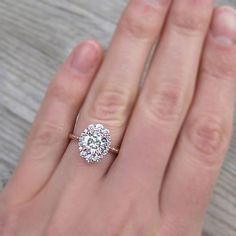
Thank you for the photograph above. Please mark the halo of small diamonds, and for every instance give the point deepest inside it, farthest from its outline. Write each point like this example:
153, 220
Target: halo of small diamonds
94, 143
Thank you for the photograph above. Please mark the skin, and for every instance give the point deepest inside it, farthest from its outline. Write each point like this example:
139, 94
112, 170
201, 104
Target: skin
173, 129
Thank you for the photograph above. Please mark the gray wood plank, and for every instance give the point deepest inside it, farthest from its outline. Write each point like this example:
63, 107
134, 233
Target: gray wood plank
35, 38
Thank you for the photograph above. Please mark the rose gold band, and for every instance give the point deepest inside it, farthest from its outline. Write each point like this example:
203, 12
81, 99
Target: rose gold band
73, 137
76, 138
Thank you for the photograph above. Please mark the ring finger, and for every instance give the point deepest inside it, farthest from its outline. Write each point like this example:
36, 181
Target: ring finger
112, 95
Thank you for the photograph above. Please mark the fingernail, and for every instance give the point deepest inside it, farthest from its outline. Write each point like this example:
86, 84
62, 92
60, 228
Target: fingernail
224, 26
85, 57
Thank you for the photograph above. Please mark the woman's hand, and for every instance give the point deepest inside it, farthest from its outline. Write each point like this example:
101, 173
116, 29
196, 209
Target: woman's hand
173, 131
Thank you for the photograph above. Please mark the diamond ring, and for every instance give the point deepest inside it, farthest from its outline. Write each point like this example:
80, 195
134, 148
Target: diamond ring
94, 143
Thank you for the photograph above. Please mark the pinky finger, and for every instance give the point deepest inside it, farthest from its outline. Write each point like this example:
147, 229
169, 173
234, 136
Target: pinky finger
203, 142
48, 138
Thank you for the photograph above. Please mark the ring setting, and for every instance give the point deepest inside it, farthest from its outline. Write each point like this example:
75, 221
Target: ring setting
94, 143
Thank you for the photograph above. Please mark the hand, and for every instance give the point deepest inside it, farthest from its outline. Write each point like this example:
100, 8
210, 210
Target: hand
173, 130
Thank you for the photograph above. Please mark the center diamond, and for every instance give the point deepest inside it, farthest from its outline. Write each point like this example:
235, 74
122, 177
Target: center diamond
94, 142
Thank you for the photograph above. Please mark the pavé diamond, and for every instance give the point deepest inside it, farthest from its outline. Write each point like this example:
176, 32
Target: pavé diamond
94, 143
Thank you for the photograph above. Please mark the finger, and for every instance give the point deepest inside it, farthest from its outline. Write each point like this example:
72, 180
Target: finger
112, 95
166, 96
48, 138
206, 133
110, 99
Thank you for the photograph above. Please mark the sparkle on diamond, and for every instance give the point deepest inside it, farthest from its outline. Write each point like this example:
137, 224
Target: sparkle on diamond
94, 143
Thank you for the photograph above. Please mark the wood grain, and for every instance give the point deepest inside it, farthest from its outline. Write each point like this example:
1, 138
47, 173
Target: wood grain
35, 38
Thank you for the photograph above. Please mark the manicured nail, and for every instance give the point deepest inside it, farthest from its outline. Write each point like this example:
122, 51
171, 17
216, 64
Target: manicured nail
85, 57
224, 26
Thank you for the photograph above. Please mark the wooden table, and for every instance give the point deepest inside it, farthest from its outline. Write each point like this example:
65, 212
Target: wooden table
35, 38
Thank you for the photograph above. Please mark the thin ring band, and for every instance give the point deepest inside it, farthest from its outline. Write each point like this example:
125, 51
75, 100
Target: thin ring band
111, 149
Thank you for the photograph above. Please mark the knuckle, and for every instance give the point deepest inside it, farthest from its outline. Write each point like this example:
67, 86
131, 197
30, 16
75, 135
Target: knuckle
219, 65
60, 92
217, 74
208, 136
141, 20
187, 23
46, 135
110, 106
137, 28
165, 104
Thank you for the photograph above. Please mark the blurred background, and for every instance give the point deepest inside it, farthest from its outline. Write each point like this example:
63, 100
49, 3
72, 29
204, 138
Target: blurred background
35, 38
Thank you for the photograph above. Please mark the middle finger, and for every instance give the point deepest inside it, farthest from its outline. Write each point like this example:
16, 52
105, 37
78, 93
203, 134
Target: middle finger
165, 98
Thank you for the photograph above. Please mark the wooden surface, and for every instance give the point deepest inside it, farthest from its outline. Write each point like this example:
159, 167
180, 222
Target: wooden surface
35, 38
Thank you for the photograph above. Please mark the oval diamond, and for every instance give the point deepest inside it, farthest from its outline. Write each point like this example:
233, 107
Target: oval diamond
94, 142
